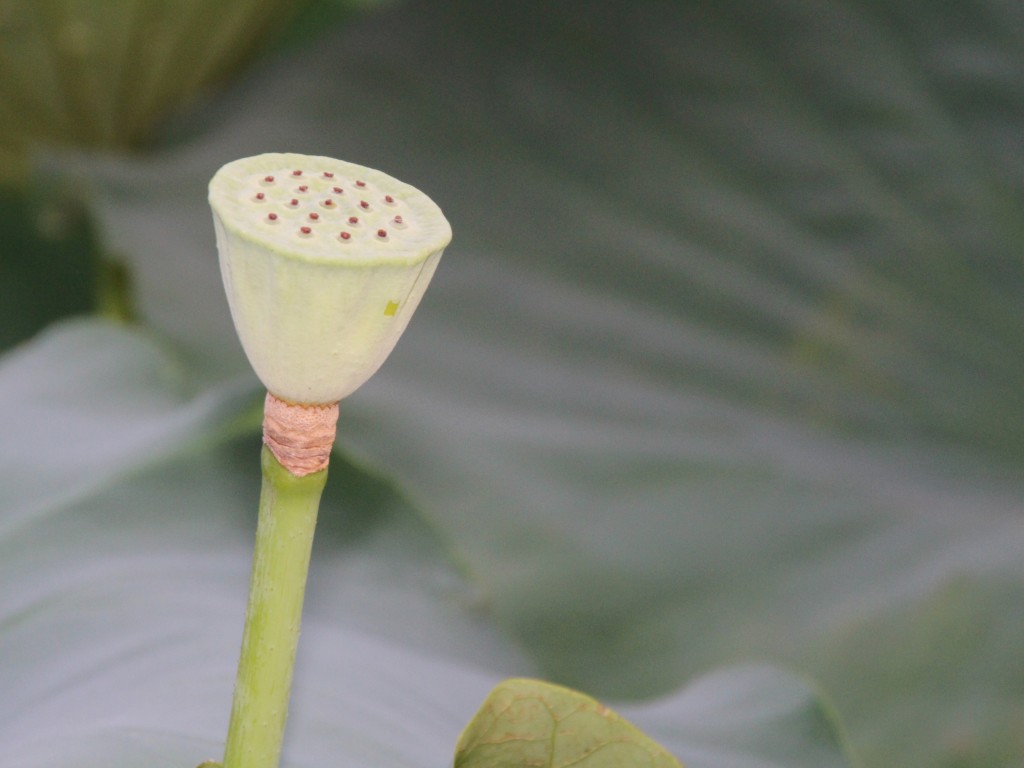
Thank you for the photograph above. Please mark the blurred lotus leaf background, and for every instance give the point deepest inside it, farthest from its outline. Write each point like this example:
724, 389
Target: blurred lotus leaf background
713, 410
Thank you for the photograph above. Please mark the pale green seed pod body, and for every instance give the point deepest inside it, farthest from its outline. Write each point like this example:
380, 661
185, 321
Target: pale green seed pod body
321, 283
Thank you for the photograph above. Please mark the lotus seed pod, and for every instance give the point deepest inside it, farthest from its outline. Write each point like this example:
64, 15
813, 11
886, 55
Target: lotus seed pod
324, 263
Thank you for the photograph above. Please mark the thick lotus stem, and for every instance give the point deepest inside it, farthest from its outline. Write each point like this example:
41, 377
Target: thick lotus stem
284, 538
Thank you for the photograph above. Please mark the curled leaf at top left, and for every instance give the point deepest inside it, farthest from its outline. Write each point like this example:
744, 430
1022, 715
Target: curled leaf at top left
533, 723
103, 75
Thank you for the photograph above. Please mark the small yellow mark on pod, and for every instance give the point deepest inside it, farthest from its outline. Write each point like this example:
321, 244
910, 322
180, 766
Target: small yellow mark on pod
391, 308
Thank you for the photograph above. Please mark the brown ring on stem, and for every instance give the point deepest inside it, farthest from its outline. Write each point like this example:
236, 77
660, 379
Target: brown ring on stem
299, 436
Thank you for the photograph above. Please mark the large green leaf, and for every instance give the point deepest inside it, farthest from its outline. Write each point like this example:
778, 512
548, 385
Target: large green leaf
724, 361
125, 539
126, 514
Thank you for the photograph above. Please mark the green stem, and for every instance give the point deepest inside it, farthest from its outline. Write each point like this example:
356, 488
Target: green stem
284, 537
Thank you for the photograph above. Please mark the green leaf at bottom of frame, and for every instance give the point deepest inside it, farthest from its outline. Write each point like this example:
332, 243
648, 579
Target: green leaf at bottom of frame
533, 723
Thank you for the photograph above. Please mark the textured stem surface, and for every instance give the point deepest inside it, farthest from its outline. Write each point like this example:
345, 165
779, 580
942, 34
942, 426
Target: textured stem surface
284, 537
299, 436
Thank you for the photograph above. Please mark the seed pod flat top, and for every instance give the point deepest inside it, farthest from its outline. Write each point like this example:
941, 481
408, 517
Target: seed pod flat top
326, 210
324, 263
